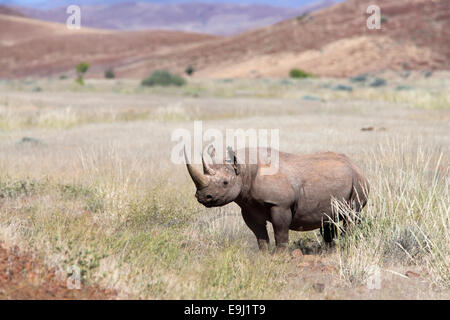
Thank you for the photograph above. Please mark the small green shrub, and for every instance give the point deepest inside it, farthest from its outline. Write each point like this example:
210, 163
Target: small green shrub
81, 69
163, 78
109, 73
299, 74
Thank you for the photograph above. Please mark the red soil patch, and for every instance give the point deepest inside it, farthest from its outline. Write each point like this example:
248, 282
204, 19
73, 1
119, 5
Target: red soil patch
25, 277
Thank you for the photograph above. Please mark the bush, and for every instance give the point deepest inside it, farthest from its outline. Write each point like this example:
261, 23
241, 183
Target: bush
299, 74
109, 73
189, 70
301, 17
359, 78
163, 78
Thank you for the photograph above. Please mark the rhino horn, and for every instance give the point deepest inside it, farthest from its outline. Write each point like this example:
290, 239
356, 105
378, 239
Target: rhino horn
199, 178
206, 168
212, 153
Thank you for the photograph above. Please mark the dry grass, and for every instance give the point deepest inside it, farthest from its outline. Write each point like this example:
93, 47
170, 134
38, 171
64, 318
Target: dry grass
99, 190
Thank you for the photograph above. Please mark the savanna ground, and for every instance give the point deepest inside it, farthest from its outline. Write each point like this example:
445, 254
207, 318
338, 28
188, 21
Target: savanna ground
86, 181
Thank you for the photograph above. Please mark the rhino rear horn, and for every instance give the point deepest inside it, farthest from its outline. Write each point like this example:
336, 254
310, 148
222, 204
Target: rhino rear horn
206, 168
212, 153
234, 160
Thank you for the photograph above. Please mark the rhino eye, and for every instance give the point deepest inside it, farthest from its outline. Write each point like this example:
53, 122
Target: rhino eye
225, 183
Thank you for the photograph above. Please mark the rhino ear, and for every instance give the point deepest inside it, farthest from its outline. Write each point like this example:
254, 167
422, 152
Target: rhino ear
234, 160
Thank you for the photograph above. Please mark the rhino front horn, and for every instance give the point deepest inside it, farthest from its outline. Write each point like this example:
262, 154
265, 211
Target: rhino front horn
199, 178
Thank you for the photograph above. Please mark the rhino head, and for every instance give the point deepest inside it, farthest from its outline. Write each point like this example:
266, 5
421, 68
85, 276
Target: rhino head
219, 184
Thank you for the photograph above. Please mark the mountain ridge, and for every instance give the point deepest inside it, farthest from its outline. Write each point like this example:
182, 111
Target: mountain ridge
211, 18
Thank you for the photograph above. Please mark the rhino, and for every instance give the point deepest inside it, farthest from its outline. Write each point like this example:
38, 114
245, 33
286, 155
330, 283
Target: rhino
297, 197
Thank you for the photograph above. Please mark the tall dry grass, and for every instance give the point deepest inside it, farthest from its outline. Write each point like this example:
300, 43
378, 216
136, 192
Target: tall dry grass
102, 195
407, 220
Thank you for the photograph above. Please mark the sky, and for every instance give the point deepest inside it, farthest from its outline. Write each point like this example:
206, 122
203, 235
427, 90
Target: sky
40, 4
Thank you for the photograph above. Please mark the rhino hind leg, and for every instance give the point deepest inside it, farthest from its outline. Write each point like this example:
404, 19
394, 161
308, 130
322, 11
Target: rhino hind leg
328, 232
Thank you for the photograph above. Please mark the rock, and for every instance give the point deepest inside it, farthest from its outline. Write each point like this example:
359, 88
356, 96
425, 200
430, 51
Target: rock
412, 274
405, 74
29, 140
378, 82
403, 88
319, 287
303, 265
309, 257
297, 253
327, 268
311, 98
428, 74
341, 87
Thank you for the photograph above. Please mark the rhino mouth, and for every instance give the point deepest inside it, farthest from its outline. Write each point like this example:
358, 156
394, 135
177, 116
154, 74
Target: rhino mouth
209, 203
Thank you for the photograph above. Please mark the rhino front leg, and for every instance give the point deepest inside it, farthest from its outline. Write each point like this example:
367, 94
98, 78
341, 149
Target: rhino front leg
281, 220
259, 229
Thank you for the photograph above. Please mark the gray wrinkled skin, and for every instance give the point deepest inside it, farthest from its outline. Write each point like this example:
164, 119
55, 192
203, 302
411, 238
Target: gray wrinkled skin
297, 197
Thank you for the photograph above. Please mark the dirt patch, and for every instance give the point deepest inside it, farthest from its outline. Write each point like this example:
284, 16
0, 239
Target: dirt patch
22, 276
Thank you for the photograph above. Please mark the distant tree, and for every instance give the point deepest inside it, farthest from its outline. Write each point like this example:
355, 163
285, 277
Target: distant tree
109, 73
298, 74
189, 70
81, 69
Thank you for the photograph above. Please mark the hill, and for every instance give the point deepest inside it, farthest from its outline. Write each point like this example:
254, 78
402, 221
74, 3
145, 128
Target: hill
333, 41
33, 47
10, 11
